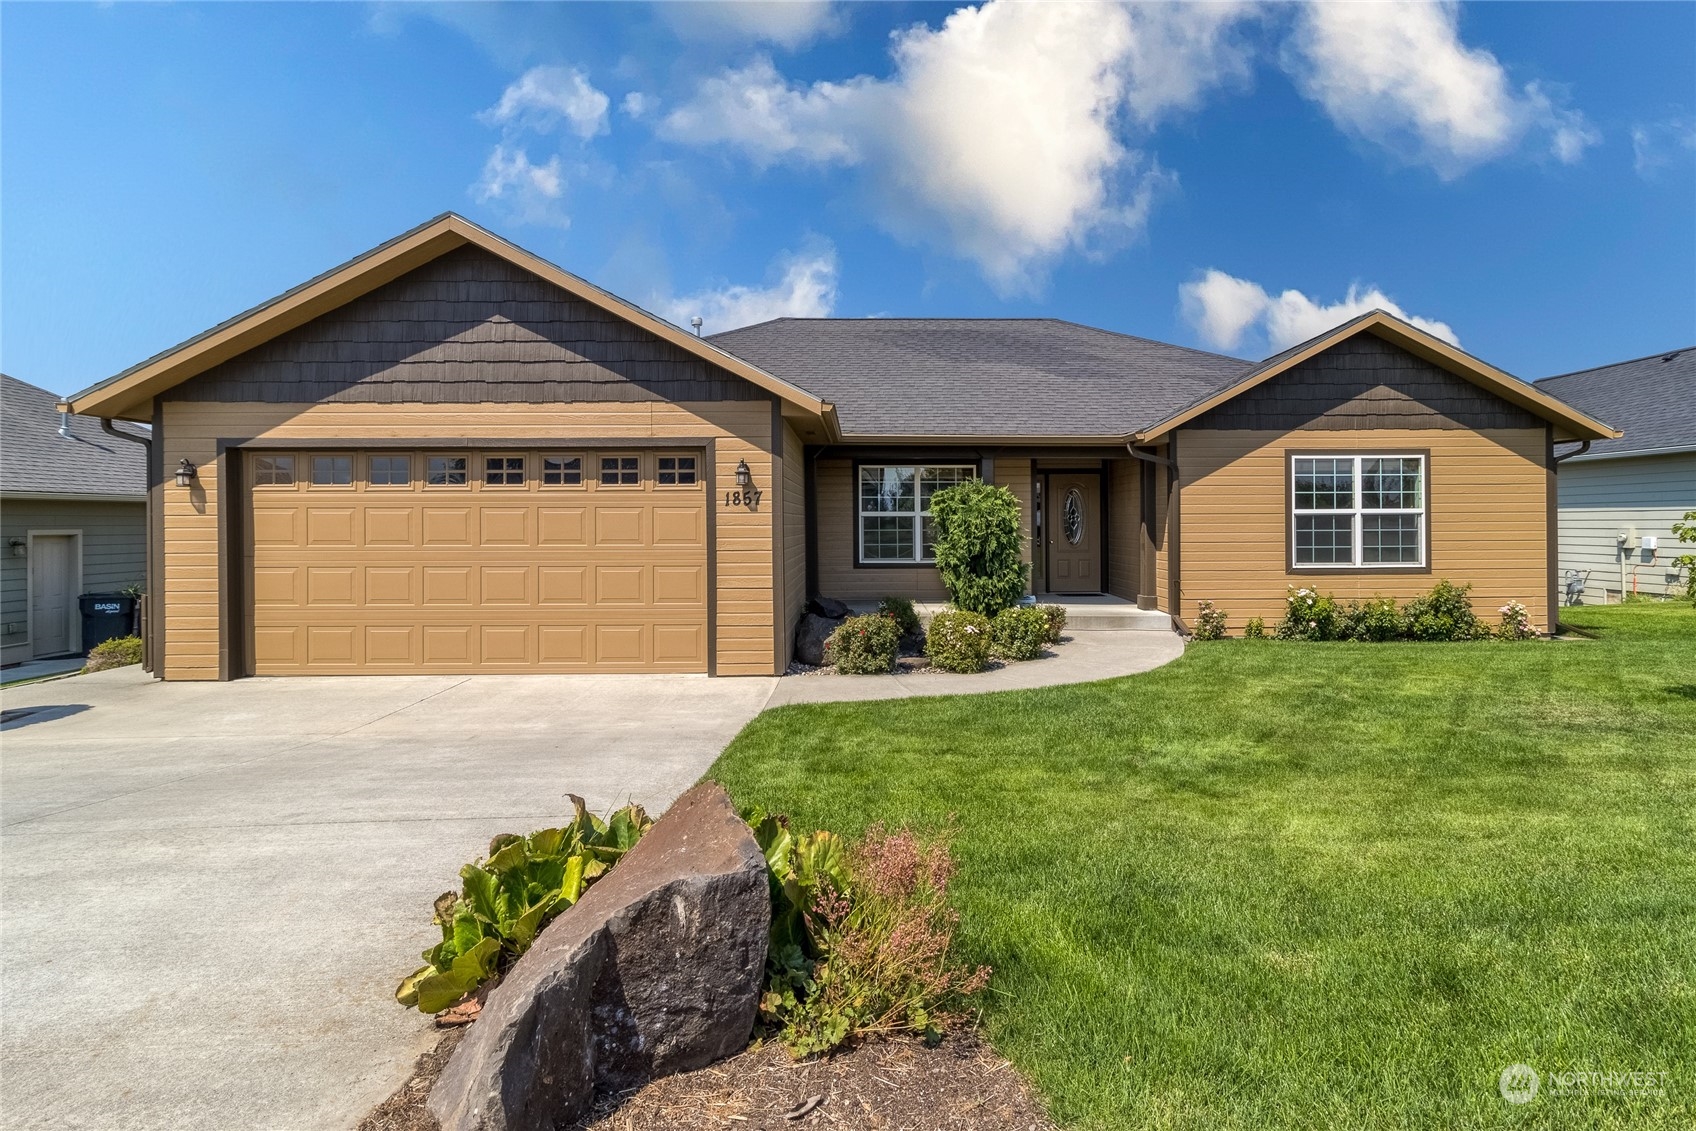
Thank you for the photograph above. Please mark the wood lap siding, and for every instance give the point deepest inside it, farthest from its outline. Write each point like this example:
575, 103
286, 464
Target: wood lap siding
743, 559
838, 546
794, 548
1124, 501
1015, 475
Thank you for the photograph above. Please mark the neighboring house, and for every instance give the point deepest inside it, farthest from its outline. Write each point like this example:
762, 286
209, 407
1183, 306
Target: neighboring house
1619, 498
450, 455
73, 520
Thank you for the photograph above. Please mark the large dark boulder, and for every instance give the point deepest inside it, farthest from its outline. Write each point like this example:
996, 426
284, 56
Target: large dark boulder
829, 607
810, 638
658, 969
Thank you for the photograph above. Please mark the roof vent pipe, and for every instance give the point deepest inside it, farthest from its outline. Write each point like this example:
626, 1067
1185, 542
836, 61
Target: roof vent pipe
65, 425
696, 322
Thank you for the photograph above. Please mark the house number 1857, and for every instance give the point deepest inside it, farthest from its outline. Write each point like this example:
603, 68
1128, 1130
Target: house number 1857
749, 498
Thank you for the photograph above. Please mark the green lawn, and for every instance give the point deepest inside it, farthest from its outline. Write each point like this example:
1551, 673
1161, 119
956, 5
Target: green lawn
1308, 885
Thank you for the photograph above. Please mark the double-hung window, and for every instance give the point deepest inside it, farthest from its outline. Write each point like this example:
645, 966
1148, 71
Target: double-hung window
894, 510
1357, 512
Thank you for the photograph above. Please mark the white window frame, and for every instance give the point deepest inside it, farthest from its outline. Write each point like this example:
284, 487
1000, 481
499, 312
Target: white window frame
917, 515
1356, 512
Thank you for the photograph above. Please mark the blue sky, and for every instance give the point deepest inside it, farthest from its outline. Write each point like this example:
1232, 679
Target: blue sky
1520, 177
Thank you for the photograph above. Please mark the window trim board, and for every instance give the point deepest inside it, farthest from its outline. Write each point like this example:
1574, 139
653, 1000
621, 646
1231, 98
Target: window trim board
1291, 569
855, 516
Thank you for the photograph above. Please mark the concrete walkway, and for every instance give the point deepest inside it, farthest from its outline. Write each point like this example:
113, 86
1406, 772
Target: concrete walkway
1081, 657
40, 669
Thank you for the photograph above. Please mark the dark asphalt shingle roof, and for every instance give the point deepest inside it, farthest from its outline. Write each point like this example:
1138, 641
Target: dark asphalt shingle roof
981, 376
35, 459
1651, 399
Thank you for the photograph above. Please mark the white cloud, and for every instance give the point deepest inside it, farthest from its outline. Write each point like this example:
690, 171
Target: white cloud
636, 104
786, 23
1224, 308
543, 97
756, 110
1655, 145
1398, 75
805, 287
532, 191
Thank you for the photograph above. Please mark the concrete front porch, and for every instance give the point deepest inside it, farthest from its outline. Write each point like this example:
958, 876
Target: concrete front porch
1095, 612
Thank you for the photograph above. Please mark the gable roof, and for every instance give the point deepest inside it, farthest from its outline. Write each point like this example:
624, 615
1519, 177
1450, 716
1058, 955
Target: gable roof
981, 378
1652, 398
36, 460
127, 394
1570, 423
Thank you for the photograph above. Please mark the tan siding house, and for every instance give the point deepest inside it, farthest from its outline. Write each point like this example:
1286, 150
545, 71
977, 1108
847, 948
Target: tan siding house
450, 456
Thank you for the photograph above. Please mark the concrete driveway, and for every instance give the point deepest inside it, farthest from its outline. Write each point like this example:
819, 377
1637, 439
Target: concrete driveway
208, 891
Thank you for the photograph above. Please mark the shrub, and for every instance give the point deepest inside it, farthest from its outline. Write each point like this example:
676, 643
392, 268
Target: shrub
1685, 531
1308, 615
865, 645
1056, 615
509, 898
959, 641
979, 547
1209, 622
1255, 629
1019, 633
1516, 623
883, 942
1445, 613
118, 652
901, 611
1377, 620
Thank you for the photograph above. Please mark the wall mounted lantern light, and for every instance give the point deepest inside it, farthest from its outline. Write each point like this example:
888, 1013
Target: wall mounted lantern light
744, 477
19, 547
185, 474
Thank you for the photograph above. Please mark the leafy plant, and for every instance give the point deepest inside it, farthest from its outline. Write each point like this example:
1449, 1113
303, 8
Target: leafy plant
118, 652
1209, 622
901, 611
865, 645
1685, 531
979, 547
1056, 615
1377, 620
959, 641
1516, 623
507, 900
1308, 615
1445, 613
1019, 633
1255, 629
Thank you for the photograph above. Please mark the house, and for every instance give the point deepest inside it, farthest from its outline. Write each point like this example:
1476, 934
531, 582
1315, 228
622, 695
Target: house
1619, 498
450, 455
73, 520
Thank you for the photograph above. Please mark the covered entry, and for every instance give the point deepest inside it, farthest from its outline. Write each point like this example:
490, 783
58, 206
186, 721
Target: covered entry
476, 560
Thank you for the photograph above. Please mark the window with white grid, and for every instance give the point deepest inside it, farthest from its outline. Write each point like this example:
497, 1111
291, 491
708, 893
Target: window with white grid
1357, 511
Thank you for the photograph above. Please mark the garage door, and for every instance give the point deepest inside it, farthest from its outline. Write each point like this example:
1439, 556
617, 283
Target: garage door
477, 561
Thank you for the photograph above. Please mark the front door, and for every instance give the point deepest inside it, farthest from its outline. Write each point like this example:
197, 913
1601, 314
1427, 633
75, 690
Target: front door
1073, 530
52, 596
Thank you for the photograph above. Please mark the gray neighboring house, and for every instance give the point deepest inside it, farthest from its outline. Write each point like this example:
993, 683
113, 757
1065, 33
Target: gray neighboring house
73, 520
1619, 499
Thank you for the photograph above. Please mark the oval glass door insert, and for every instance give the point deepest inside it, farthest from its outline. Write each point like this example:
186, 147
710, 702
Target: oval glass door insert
1072, 514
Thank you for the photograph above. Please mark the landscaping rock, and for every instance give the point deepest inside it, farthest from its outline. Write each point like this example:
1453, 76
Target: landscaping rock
810, 638
829, 607
658, 969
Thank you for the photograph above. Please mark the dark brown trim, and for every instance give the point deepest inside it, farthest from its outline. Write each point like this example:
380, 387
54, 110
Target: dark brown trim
957, 460
354, 443
1174, 511
155, 595
1148, 475
1101, 502
1290, 567
709, 456
779, 555
232, 562
961, 453
1552, 524
810, 468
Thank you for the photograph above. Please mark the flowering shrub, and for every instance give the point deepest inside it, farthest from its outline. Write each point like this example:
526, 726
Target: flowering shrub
865, 645
1056, 615
882, 945
1308, 615
1375, 621
1019, 633
959, 641
1255, 629
1445, 613
901, 610
1516, 622
1209, 622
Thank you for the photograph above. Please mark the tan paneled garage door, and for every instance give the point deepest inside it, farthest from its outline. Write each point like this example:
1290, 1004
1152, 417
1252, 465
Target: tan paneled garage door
477, 561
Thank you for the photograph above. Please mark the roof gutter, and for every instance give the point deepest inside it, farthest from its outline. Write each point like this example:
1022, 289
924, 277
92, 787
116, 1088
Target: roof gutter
1583, 446
107, 427
1150, 457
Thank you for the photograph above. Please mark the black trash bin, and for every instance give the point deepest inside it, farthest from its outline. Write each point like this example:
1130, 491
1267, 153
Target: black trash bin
105, 616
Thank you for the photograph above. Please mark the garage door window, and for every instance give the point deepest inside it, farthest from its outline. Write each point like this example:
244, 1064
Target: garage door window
446, 471
332, 471
273, 471
503, 471
391, 471
562, 471
677, 471
621, 471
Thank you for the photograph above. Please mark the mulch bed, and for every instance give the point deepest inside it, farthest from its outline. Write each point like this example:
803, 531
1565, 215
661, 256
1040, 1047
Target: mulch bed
894, 1084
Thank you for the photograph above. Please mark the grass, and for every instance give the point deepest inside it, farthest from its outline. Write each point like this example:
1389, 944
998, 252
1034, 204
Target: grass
1308, 885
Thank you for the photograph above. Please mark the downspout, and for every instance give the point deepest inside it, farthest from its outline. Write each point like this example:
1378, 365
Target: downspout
148, 661
1172, 514
1583, 446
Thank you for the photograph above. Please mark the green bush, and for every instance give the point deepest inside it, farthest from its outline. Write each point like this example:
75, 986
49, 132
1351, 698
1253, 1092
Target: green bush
119, 652
1516, 623
1056, 615
901, 611
959, 641
1209, 622
865, 645
1445, 613
1019, 633
1308, 615
1377, 620
1255, 629
1685, 532
979, 549
509, 898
